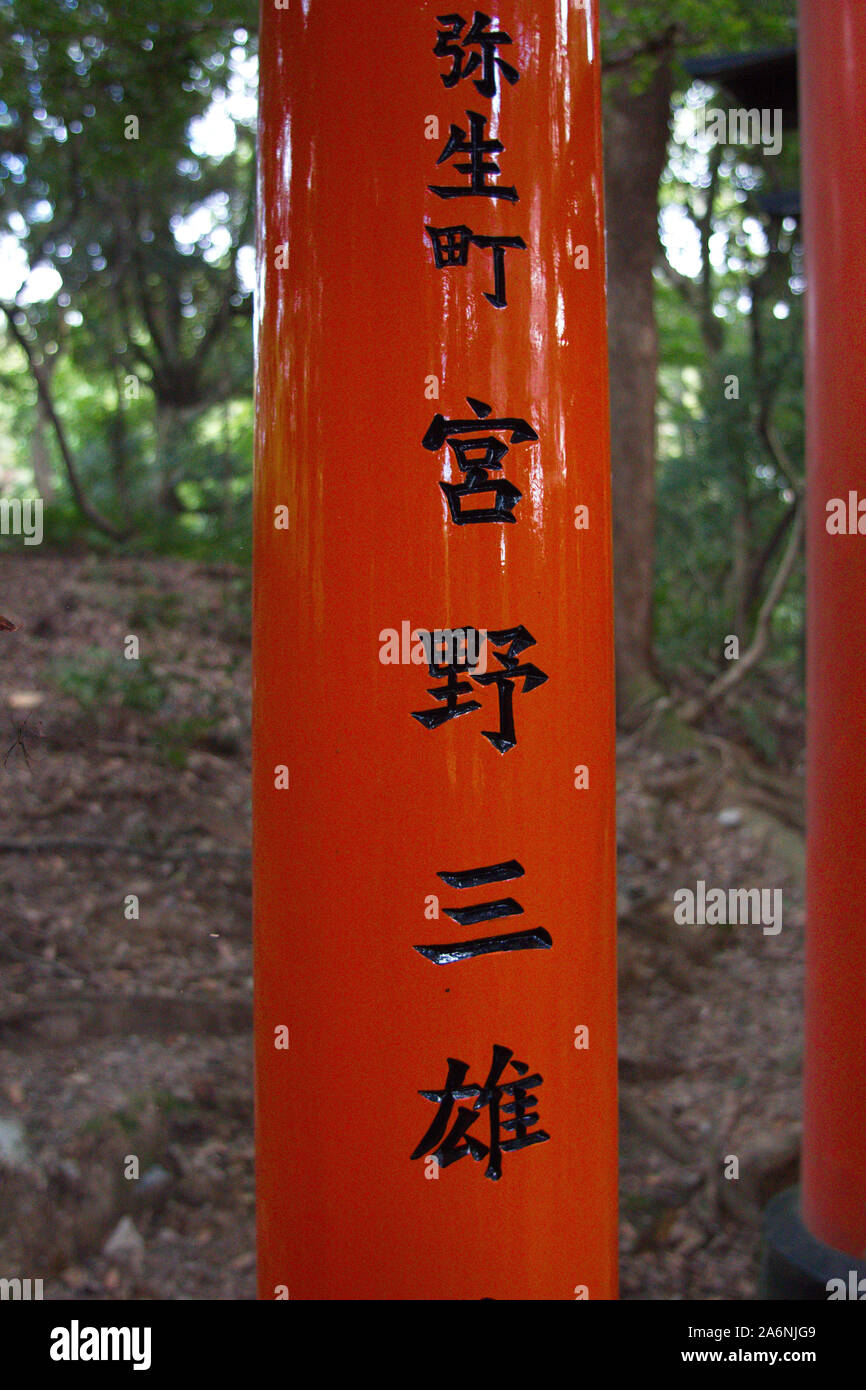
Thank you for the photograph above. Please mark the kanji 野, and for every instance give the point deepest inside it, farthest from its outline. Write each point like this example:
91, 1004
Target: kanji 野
449, 44
516, 639
476, 459
477, 167
509, 1107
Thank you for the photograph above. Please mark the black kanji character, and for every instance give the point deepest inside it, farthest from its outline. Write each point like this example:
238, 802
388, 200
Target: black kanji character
477, 167
477, 466
446, 953
451, 248
450, 45
517, 639
447, 1147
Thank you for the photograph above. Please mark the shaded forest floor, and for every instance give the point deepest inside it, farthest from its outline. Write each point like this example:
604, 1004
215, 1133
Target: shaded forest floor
123, 1036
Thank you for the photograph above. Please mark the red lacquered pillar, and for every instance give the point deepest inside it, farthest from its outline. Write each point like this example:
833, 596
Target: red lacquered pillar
833, 105
434, 839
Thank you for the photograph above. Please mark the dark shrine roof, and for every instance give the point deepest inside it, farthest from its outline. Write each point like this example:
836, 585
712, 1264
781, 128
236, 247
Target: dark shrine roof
766, 78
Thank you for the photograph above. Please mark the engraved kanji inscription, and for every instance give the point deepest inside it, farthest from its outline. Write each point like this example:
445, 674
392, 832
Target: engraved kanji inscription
530, 939
509, 1109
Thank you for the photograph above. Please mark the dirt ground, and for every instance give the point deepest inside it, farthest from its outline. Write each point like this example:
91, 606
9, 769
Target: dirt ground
125, 958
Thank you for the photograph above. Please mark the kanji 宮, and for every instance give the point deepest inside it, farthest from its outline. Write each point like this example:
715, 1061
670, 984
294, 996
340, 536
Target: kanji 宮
476, 459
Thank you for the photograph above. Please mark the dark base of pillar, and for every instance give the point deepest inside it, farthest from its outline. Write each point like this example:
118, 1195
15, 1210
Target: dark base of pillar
796, 1265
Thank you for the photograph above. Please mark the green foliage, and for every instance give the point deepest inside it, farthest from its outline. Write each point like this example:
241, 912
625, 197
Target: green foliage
730, 410
188, 711
638, 30
155, 609
99, 679
139, 315
175, 738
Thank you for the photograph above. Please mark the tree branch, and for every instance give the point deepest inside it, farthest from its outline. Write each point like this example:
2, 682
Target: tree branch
86, 508
694, 707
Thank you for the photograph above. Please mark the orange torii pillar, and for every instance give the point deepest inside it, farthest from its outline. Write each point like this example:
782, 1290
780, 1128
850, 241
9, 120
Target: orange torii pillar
434, 730
817, 1247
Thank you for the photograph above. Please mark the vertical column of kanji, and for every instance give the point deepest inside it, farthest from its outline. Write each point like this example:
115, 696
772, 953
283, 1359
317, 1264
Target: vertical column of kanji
434, 714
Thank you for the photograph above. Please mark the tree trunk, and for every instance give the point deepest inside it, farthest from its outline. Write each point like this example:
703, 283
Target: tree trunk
169, 442
40, 456
636, 137
87, 509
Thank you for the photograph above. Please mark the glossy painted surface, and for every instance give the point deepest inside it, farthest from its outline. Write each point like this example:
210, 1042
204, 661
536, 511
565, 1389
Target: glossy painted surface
378, 805
833, 106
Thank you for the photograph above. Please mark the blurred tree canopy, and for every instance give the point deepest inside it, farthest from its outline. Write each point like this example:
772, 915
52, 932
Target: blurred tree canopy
127, 185
127, 163
704, 287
